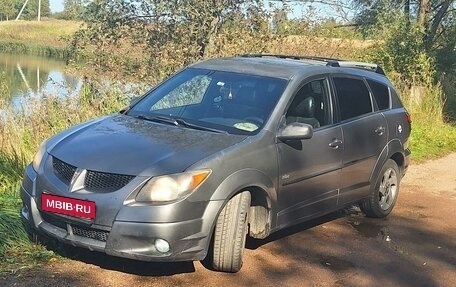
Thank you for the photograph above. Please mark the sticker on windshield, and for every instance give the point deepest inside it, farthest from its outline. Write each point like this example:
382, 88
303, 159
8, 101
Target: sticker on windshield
246, 126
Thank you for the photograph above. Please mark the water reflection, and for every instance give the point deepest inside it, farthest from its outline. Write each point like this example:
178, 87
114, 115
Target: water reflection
35, 77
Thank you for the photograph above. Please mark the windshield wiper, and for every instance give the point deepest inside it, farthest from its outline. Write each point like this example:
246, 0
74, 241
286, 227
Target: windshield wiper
186, 124
159, 119
178, 122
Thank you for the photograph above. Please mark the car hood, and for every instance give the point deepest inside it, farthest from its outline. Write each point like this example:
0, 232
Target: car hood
126, 145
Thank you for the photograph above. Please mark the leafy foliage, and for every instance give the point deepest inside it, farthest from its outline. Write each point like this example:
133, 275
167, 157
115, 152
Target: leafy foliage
179, 32
73, 9
7, 9
417, 43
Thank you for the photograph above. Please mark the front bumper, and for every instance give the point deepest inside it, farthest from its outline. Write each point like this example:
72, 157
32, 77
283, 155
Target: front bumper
133, 236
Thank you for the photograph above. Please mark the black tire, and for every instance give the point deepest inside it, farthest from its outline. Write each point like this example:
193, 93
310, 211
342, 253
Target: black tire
230, 234
383, 194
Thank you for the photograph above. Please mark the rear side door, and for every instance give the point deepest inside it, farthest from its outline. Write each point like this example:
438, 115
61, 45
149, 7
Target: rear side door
364, 131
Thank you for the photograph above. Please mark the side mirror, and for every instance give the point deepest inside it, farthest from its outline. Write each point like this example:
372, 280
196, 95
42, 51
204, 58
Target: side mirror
295, 131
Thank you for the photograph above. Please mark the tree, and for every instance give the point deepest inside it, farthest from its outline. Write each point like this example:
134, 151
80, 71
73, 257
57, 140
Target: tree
180, 30
74, 9
433, 17
31, 9
7, 10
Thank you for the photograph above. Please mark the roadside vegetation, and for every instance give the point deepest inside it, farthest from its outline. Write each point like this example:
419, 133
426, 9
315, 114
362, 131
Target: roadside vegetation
21, 131
118, 43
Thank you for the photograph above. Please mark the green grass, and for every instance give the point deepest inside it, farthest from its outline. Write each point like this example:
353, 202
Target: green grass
432, 140
20, 136
16, 251
46, 38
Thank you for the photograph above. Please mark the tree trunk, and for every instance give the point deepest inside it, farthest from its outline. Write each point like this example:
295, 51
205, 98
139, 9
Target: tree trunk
430, 37
423, 13
215, 26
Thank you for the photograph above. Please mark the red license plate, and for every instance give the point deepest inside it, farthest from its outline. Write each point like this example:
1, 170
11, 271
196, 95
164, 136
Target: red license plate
68, 206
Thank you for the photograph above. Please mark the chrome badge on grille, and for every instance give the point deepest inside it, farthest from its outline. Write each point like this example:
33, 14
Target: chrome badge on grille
77, 181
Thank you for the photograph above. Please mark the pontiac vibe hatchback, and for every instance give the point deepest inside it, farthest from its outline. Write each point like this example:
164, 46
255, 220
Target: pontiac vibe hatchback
223, 149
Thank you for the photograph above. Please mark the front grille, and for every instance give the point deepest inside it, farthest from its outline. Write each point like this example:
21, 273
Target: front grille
63, 170
54, 220
105, 182
95, 234
94, 181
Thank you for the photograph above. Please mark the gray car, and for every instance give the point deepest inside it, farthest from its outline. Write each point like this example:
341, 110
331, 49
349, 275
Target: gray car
223, 149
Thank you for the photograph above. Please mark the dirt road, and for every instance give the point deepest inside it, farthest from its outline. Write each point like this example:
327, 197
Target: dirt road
414, 246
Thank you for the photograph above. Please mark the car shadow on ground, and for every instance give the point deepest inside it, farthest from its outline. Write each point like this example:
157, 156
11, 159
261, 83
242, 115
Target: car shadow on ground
252, 243
142, 268
124, 265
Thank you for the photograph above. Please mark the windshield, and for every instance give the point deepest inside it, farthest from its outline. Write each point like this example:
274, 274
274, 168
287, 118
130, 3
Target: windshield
230, 102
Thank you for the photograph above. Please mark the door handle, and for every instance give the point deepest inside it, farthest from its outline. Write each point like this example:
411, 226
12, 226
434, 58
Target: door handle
380, 130
335, 144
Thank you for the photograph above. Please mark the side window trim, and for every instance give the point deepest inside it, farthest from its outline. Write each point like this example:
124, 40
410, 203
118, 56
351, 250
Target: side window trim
374, 106
390, 94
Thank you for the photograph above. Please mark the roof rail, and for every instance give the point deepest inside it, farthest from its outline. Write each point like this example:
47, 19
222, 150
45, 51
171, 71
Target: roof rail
362, 65
330, 62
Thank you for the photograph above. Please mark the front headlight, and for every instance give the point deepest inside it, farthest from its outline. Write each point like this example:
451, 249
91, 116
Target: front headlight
39, 156
171, 187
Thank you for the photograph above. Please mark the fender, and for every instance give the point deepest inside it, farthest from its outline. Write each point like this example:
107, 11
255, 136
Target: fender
244, 178
390, 148
239, 181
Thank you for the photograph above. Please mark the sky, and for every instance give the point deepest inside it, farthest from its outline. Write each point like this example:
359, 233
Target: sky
56, 5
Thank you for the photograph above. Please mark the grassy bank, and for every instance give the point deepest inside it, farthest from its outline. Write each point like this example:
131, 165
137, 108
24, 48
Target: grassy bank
44, 38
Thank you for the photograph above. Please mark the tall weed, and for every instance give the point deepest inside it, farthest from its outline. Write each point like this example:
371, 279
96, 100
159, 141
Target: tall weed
22, 130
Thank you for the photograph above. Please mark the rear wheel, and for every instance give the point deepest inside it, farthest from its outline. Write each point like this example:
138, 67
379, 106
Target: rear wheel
383, 194
230, 234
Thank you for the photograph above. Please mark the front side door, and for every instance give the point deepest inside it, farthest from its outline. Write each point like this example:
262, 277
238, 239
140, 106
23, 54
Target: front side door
309, 169
365, 135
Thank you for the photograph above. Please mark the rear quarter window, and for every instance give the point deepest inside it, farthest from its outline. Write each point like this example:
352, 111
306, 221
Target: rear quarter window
381, 94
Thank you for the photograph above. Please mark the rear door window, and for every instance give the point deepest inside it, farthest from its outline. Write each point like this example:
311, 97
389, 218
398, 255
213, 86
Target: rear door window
353, 97
381, 94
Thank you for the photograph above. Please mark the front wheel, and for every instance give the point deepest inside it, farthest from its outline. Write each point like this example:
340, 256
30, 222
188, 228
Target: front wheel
230, 234
383, 194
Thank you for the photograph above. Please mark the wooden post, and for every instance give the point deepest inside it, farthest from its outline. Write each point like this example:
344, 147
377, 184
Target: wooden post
417, 94
22, 9
39, 10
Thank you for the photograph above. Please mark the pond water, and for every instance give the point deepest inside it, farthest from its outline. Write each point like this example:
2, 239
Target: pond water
34, 77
